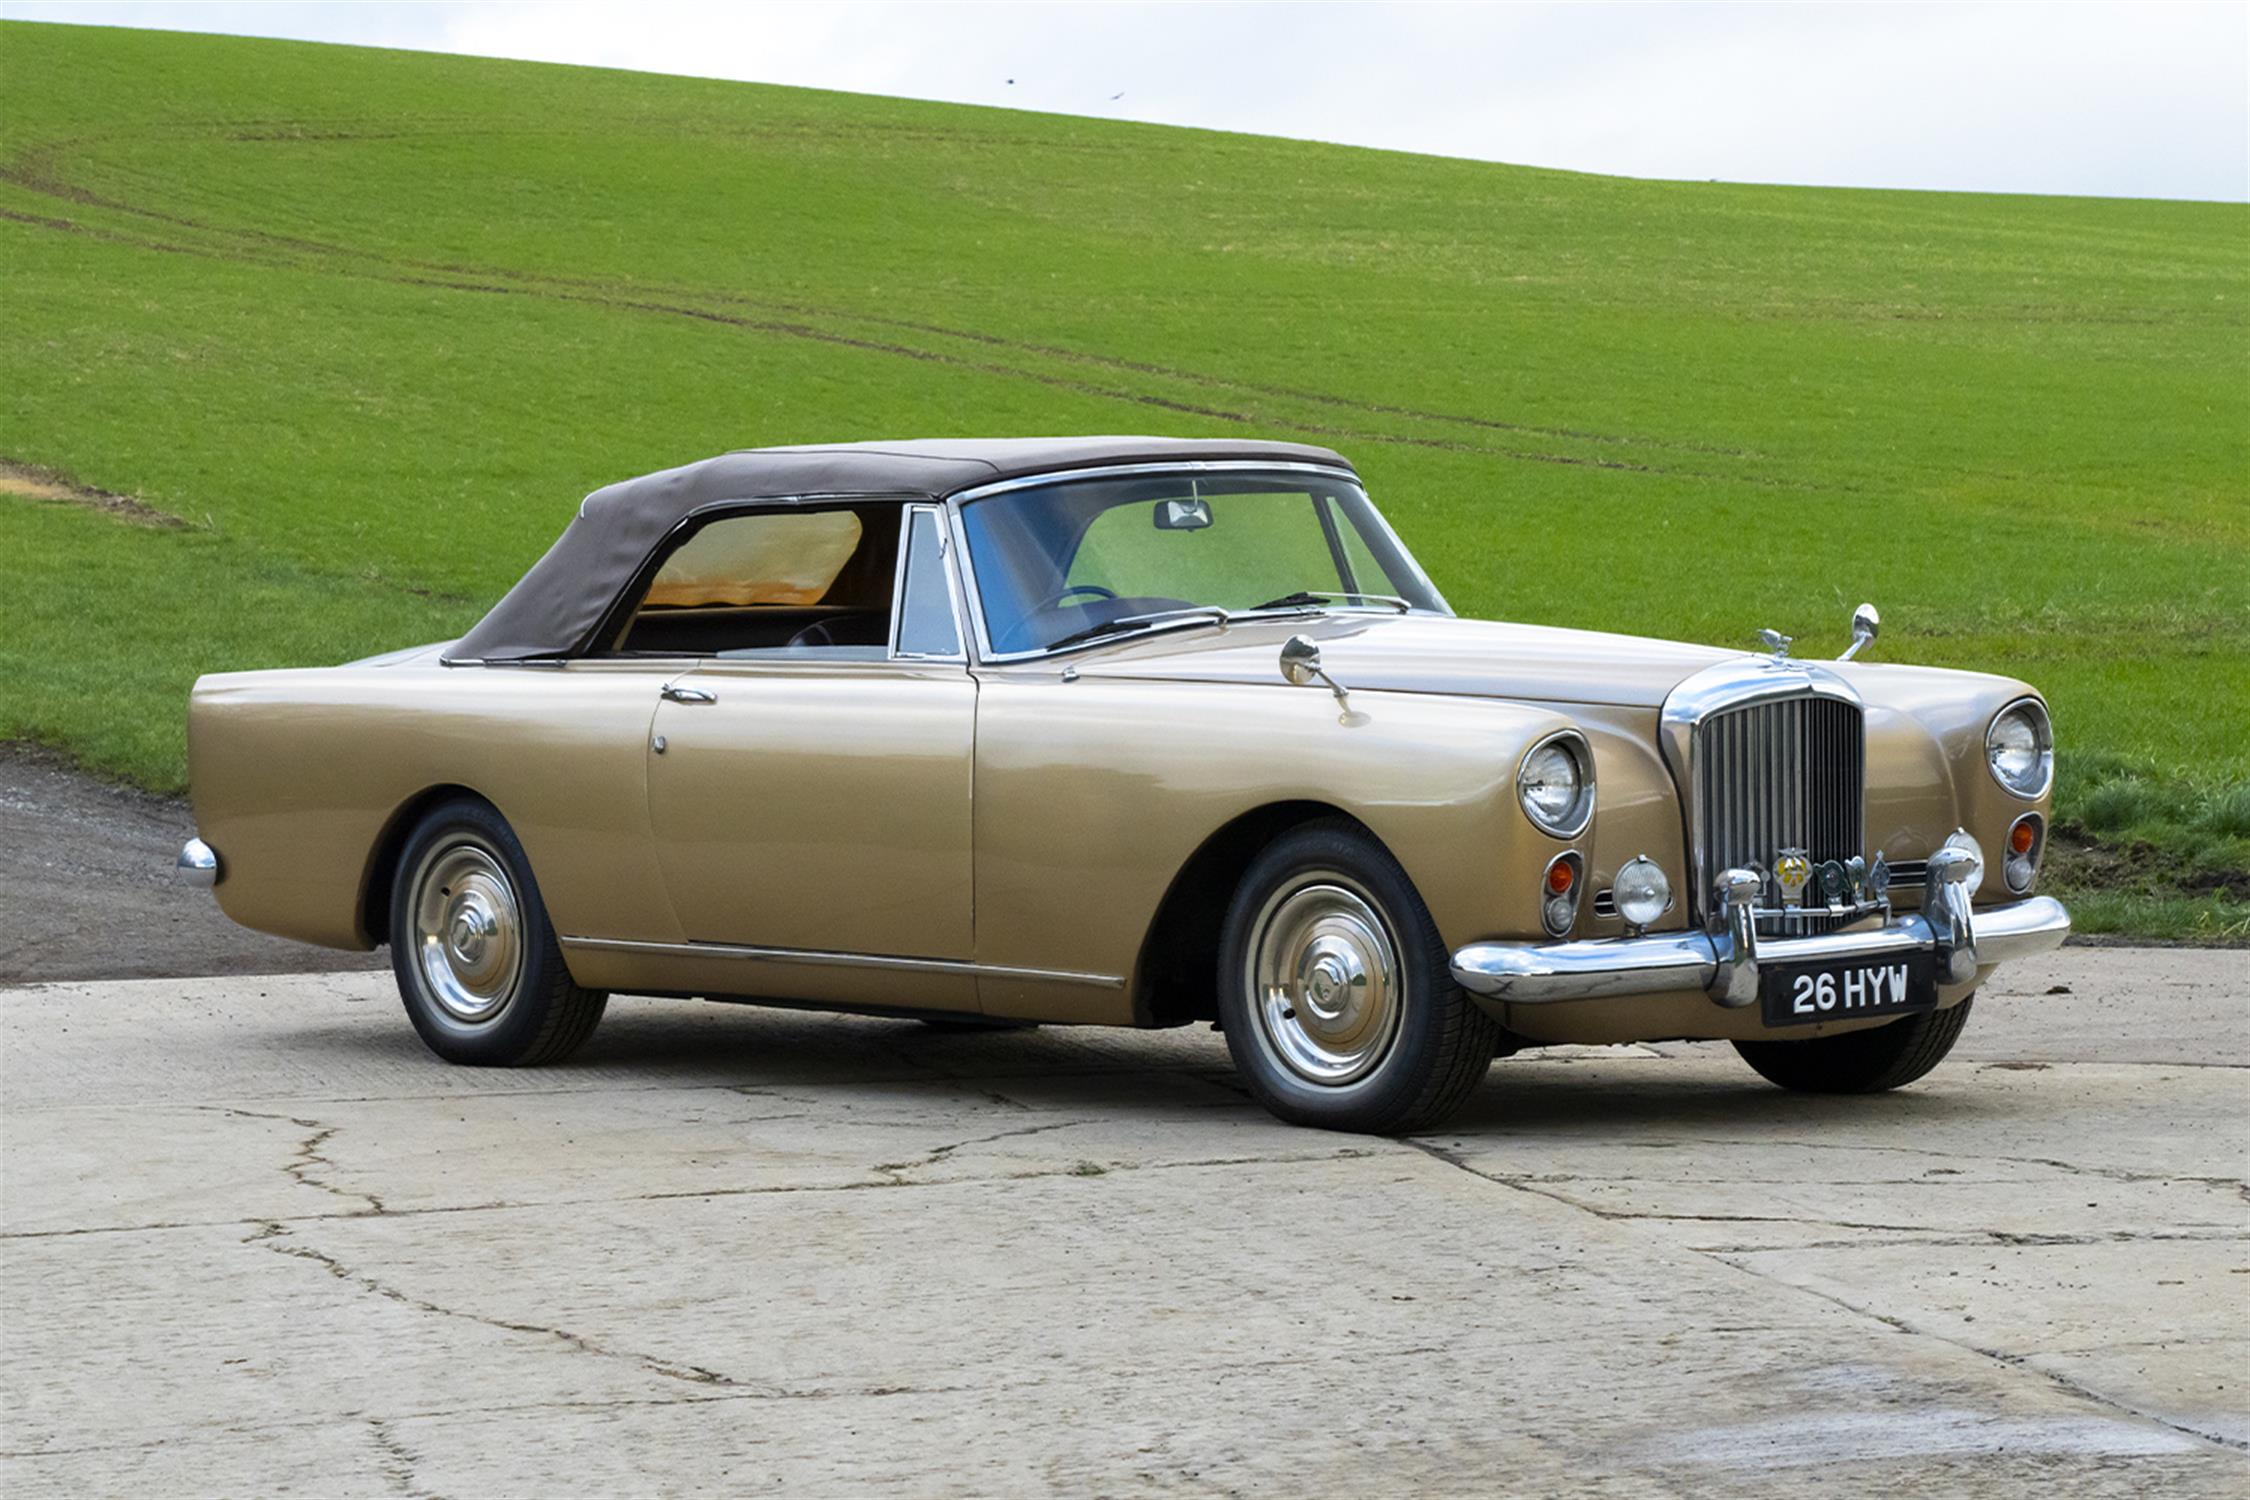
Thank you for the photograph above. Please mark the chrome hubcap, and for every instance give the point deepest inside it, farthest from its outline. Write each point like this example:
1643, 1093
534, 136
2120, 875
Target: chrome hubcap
468, 932
1324, 980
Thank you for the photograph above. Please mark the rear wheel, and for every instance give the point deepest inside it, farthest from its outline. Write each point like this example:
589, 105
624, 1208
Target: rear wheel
1861, 1062
1335, 991
475, 957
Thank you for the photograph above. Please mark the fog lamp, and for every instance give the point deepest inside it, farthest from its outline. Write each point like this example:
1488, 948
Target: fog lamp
1642, 893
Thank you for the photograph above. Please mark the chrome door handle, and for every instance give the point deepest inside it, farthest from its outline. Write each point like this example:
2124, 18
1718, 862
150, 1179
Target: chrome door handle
688, 695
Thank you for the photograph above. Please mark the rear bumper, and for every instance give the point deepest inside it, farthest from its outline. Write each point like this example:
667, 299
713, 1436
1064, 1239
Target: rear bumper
1725, 963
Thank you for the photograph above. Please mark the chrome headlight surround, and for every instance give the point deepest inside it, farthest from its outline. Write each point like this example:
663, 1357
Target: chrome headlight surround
2027, 732
1563, 758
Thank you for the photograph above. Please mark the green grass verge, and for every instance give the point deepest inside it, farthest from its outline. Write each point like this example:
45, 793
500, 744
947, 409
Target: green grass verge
371, 322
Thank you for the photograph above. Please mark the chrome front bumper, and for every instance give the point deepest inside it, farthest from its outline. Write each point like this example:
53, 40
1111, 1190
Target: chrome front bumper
1724, 962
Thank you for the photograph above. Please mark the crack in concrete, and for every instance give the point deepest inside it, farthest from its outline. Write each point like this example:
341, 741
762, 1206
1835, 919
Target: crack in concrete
398, 1462
2115, 1174
1998, 1356
271, 1233
482, 1412
1987, 1238
2018, 1362
932, 1158
1074, 1169
299, 1167
1971, 1236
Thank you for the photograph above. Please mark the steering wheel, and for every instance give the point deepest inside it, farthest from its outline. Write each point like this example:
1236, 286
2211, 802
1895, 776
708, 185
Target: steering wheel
1055, 599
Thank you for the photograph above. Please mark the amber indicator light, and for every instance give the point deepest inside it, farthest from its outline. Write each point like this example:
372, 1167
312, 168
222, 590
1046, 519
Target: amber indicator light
1559, 877
2020, 838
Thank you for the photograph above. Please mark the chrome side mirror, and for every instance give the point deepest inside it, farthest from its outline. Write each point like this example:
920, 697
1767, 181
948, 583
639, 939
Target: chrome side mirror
1300, 666
1867, 623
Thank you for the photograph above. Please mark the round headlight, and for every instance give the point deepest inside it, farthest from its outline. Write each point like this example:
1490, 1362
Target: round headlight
1642, 893
1556, 786
2020, 748
1963, 839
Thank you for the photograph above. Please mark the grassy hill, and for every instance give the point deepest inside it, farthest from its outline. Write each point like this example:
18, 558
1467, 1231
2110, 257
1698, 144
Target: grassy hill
364, 325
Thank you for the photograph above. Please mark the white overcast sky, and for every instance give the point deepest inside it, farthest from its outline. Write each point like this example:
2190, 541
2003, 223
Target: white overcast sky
2136, 99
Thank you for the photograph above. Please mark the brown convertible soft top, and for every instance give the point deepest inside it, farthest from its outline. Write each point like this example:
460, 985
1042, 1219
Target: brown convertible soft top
554, 608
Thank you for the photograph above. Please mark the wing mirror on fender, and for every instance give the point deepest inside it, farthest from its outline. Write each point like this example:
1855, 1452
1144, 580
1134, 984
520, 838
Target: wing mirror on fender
1866, 625
1300, 664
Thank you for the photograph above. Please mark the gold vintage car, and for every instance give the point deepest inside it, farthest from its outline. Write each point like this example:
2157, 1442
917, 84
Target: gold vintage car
1128, 732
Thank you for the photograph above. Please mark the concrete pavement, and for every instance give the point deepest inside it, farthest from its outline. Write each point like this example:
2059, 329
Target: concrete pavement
257, 1240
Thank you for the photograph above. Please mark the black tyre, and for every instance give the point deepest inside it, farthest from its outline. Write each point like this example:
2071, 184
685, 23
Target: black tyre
1861, 1062
474, 954
1335, 991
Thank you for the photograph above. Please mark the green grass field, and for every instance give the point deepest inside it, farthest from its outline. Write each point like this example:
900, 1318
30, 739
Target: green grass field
369, 324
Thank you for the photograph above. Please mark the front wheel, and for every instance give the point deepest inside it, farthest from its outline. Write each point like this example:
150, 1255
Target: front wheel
1861, 1062
1335, 991
473, 952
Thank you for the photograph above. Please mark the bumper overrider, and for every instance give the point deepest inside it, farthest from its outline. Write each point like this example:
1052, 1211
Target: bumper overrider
1724, 961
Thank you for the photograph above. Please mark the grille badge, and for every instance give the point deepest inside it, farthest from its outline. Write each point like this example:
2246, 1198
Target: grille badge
1791, 872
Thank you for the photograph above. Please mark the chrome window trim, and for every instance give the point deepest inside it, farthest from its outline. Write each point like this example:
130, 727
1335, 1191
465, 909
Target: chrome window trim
946, 551
1586, 767
2047, 719
823, 958
966, 561
1176, 466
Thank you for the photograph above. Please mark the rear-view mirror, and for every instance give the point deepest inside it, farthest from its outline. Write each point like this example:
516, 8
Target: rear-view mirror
1182, 515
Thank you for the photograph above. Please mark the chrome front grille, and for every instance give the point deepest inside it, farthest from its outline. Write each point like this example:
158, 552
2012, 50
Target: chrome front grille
1788, 774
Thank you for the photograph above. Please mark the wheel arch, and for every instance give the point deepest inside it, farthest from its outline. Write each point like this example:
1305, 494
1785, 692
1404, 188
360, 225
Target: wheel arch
381, 874
1173, 975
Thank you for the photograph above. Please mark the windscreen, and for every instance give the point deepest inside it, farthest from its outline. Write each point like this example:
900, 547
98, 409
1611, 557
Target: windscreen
1054, 561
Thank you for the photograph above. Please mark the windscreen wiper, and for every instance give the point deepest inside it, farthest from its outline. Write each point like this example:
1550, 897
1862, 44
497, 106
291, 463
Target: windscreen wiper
1127, 624
1304, 597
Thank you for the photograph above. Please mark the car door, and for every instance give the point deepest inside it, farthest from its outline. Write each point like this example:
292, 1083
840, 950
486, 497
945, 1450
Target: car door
817, 799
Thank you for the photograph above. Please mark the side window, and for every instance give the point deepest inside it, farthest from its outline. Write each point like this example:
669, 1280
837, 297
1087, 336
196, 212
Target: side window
786, 580
926, 623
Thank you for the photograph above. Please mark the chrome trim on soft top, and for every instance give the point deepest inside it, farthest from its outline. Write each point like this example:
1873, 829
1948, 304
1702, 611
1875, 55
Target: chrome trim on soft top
1182, 466
825, 959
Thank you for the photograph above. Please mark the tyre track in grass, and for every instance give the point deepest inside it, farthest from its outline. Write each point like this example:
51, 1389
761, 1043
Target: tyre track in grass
35, 173
377, 270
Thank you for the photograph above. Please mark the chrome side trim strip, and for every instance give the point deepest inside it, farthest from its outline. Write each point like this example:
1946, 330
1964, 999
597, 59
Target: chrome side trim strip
819, 958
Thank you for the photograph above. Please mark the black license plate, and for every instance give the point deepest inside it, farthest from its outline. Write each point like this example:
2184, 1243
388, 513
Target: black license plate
1802, 994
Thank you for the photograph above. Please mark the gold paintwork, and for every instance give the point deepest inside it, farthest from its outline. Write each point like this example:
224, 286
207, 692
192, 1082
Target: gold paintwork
1001, 838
